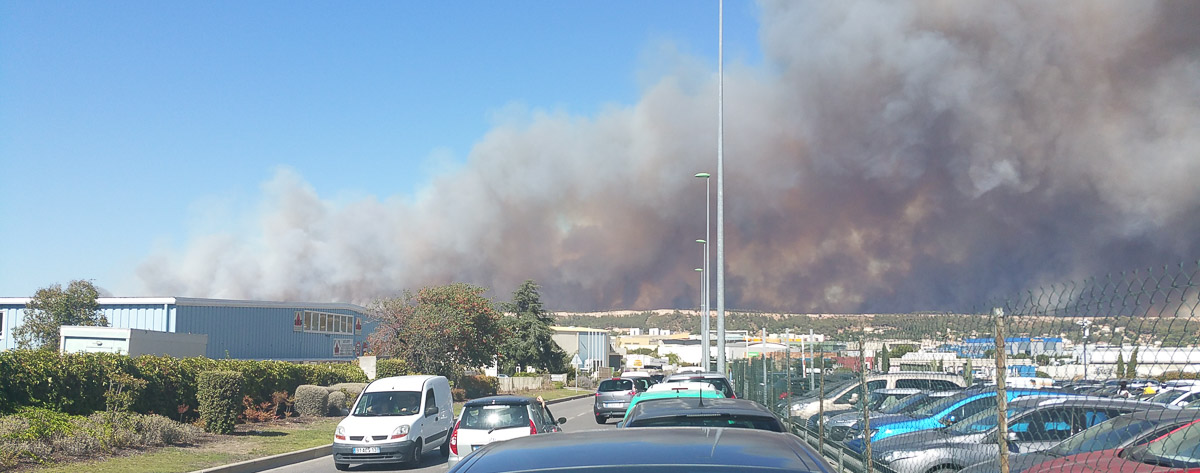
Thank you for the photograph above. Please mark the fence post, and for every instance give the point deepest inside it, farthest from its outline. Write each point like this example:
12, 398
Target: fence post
1001, 394
820, 409
862, 400
841, 460
787, 366
764, 362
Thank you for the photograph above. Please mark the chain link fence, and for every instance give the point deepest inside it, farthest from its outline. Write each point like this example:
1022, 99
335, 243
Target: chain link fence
1101, 373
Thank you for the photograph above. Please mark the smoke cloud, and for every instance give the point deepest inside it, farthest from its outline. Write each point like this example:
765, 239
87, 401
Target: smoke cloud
888, 157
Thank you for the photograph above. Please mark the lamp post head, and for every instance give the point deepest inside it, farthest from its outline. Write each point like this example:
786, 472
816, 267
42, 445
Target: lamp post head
700, 269
701, 241
703, 174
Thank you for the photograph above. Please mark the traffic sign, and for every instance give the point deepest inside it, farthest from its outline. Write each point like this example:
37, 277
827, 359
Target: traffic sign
576, 362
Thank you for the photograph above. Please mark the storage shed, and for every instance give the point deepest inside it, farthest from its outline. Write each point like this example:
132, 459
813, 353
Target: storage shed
129, 341
259, 330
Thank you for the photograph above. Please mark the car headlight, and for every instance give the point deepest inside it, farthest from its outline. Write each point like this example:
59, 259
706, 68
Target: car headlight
339, 433
400, 432
897, 455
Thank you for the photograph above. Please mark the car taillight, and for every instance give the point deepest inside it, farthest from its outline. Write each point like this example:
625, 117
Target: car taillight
597, 394
454, 439
633, 393
532, 428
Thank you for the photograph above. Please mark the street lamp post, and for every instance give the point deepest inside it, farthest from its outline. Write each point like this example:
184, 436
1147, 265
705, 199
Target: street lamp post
703, 322
704, 312
721, 186
705, 292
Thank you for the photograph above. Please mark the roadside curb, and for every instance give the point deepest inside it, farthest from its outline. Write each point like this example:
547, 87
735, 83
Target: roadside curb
284, 459
273, 461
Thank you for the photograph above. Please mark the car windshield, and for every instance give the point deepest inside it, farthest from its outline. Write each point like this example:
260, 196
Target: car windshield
388, 403
911, 404
832, 392
938, 406
983, 421
495, 416
1106, 435
1179, 449
610, 385
1166, 397
710, 420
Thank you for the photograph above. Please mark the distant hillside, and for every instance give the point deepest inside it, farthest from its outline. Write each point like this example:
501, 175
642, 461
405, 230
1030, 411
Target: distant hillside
1114, 330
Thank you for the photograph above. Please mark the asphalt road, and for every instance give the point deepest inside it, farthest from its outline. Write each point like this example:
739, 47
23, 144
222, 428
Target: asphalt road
578, 413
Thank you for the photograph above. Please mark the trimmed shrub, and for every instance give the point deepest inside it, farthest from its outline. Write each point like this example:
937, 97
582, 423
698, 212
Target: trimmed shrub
479, 386
337, 404
390, 367
218, 393
311, 400
459, 394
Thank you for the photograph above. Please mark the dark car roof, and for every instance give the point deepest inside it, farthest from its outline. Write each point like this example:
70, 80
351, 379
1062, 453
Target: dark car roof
665, 449
491, 400
676, 406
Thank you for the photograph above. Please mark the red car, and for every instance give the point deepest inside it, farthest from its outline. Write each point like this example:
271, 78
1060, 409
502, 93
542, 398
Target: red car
1176, 452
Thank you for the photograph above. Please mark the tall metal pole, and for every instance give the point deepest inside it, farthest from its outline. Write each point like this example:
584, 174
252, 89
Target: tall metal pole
812, 353
721, 186
703, 322
707, 309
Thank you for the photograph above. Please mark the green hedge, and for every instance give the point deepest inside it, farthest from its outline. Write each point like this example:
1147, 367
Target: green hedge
219, 393
390, 367
75, 383
479, 386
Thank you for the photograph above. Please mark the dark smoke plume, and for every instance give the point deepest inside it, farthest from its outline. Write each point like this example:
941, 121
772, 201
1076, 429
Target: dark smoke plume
888, 157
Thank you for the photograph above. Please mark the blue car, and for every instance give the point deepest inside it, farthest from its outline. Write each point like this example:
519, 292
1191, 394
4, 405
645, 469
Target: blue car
943, 413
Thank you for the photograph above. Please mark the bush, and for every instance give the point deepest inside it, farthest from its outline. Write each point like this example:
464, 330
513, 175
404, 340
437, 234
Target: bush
218, 393
390, 367
84, 437
336, 404
458, 394
311, 400
479, 386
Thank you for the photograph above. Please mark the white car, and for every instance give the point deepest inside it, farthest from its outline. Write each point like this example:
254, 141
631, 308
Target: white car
396, 420
495, 418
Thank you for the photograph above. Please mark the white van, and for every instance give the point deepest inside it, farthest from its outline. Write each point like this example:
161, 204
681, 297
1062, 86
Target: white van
396, 420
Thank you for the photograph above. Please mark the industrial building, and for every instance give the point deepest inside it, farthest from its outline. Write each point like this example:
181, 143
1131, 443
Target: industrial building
592, 346
257, 330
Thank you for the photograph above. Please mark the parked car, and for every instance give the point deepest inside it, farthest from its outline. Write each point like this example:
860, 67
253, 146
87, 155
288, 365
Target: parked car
1034, 423
716, 379
494, 418
844, 396
649, 450
1179, 396
1176, 452
948, 411
612, 398
703, 412
838, 427
1123, 431
396, 420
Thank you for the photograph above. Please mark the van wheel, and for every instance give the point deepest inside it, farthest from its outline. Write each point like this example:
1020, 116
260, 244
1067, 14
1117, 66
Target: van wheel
341, 466
445, 450
601, 420
418, 451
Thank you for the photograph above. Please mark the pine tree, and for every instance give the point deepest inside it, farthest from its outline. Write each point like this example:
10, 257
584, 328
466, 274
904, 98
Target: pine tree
885, 360
1131, 367
1120, 374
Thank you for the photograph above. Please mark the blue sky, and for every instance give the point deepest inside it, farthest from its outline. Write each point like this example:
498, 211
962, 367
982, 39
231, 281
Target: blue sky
123, 125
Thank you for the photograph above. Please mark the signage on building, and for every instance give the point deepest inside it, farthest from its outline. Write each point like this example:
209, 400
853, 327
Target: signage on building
298, 324
343, 347
358, 325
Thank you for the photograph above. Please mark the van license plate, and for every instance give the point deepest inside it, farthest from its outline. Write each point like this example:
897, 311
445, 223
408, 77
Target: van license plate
366, 449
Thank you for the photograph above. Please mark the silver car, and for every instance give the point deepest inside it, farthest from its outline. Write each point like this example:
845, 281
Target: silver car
612, 398
838, 426
1035, 423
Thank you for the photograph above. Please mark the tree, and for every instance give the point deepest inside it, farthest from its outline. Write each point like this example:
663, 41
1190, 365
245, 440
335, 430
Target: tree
1120, 374
1131, 367
439, 330
885, 360
969, 373
52, 307
529, 341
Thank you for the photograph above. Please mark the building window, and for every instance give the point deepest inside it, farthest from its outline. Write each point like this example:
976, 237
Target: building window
323, 322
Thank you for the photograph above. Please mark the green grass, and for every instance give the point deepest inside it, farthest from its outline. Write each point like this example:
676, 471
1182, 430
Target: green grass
265, 442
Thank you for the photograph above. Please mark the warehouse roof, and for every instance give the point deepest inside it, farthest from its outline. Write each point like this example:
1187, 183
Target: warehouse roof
193, 301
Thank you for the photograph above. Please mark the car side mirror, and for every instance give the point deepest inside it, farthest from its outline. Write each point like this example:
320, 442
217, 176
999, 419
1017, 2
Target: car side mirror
431, 410
562, 420
854, 399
